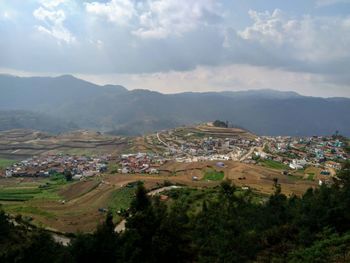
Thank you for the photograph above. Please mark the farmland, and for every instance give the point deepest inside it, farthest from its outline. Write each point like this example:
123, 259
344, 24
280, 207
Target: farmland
21, 144
42, 199
186, 156
40, 189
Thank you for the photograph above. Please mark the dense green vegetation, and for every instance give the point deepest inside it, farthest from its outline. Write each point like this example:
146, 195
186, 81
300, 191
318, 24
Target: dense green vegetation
227, 226
213, 175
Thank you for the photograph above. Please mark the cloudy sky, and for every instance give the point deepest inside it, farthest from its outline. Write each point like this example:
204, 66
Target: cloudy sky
182, 45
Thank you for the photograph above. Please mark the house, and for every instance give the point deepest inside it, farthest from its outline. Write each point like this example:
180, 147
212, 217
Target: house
297, 164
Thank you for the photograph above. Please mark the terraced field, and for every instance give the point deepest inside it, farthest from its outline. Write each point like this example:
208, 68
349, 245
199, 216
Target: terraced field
80, 206
85, 201
21, 144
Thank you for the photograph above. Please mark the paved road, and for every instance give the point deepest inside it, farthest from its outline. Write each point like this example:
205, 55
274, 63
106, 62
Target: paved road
159, 139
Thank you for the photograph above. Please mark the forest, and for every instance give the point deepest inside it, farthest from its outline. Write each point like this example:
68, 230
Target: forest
231, 227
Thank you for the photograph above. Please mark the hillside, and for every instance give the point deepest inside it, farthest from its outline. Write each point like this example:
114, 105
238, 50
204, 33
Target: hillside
117, 110
20, 119
23, 143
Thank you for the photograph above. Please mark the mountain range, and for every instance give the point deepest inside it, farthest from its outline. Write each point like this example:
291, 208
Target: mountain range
58, 104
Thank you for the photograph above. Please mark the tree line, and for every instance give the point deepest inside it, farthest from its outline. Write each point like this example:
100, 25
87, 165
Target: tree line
229, 228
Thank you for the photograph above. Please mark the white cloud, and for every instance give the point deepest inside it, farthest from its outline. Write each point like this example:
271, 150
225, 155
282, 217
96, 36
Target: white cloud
174, 17
116, 11
157, 18
268, 26
49, 16
309, 39
53, 20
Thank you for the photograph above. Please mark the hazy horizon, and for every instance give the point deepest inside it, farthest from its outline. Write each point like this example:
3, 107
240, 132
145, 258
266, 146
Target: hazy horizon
175, 91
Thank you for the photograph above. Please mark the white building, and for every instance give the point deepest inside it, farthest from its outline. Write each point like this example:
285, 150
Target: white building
297, 164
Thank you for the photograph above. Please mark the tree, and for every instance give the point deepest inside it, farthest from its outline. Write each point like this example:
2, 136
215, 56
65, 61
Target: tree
68, 175
101, 246
221, 124
141, 201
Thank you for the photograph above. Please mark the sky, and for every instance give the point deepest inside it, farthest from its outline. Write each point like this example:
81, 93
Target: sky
182, 45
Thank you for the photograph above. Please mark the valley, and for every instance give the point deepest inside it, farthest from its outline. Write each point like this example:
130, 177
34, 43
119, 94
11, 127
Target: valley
198, 157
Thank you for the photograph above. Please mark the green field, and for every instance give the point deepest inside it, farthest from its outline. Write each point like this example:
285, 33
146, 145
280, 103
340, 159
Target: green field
23, 209
213, 175
4, 163
273, 164
18, 194
45, 189
121, 200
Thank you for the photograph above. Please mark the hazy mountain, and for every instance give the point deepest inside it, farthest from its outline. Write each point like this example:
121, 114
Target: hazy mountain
29, 120
46, 93
114, 108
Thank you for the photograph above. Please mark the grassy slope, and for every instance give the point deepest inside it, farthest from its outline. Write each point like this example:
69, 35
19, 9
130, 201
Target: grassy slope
213, 175
17, 199
4, 163
121, 199
273, 164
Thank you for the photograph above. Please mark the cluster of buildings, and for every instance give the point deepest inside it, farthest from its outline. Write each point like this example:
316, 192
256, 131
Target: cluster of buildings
295, 153
189, 149
140, 163
318, 151
325, 152
43, 166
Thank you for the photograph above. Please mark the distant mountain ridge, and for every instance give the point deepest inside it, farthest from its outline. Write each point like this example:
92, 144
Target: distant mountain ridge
113, 108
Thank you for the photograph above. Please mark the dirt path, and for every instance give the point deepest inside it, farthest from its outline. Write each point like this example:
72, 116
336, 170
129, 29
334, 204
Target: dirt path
251, 151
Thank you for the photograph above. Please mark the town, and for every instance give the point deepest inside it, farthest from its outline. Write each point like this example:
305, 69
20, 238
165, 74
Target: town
43, 166
187, 146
